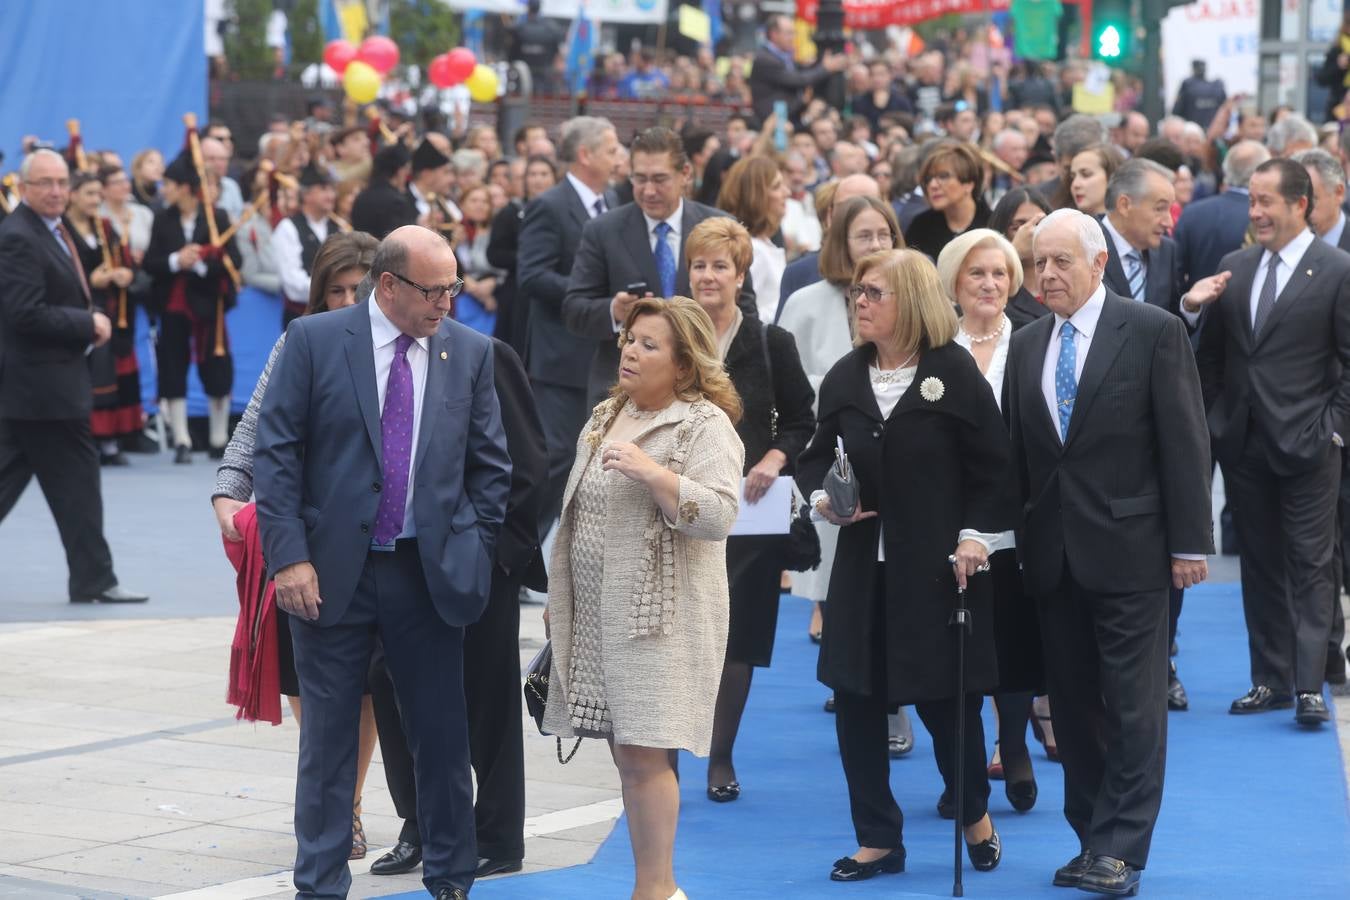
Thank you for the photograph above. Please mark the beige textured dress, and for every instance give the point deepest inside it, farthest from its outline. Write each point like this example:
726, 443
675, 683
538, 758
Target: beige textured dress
638, 605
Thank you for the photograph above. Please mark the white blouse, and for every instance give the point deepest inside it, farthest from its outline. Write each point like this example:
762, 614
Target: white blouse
999, 364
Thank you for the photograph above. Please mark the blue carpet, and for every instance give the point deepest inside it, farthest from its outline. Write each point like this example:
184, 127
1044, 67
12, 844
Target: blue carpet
1254, 806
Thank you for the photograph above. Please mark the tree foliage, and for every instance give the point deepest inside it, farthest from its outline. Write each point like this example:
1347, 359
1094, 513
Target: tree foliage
422, 29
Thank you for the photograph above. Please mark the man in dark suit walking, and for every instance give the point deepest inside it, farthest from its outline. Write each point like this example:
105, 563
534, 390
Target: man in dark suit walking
47, 328
559, 361
1211, 228
382, 480
775, 75
1110, 448
1141, 265
635, 251
491, 660
1274, 358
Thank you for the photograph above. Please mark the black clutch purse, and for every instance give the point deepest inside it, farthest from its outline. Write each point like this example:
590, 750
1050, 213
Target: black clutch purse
801, 551
536, 695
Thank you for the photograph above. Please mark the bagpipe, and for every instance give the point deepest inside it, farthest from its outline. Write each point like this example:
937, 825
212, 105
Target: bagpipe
216, 249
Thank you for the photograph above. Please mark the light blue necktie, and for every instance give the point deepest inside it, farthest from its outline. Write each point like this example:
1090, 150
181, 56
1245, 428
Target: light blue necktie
1135, 272
665, 260
1066, 379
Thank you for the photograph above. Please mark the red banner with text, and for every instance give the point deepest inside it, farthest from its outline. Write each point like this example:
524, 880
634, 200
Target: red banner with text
871, 14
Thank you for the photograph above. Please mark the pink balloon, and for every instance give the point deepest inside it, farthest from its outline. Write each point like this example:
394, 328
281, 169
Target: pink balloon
439, 72
462, 62
337, 54
379, 52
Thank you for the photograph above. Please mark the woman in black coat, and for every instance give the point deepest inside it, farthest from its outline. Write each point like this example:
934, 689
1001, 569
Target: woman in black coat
932, 459
777, 422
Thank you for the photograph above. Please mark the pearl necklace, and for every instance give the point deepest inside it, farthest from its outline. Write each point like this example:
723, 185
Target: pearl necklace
889, 376
984, 338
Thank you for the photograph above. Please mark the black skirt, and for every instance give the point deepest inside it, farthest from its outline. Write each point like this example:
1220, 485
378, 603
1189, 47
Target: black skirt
1017, 631
754, 570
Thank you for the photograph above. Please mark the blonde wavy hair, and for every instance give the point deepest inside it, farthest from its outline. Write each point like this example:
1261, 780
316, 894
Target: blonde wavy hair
695, 351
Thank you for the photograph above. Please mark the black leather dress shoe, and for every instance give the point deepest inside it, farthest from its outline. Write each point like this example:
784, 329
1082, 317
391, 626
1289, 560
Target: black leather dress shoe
451, 894
849, 869
946, 806
182, 455
488, 867
403, 858
1109, 875
113, 594
1177, 701
1021, 794
1312, 709
829, 704
985, 855
1258, 700
1069, 874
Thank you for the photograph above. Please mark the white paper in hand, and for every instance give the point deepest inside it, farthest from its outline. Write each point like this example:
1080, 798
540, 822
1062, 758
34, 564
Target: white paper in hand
771, 515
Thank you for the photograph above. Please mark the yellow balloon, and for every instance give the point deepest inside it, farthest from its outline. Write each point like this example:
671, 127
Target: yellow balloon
361, 82
482, 84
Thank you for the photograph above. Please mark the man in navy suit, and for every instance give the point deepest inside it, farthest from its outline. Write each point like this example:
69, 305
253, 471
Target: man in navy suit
382, 479
1210, 229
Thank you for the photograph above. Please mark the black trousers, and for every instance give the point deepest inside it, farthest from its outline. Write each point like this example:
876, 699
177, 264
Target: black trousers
173, 355
425, 659
496, 740
61, 453
1287, 526
1106, 668
562, 412
861, 727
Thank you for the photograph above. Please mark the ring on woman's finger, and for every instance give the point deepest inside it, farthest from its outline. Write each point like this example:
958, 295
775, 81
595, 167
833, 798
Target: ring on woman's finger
982, 567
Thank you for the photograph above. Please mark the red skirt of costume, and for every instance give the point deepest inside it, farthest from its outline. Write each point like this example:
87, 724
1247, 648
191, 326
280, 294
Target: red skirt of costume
116, 375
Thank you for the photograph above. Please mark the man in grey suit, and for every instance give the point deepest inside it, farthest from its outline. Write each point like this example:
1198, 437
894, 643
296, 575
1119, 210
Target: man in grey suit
382, 479
1110, 449
635, 251
557, 360
1274, 358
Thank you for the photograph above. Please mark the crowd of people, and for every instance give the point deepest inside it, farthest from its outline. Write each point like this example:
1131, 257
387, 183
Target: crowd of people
1032, 333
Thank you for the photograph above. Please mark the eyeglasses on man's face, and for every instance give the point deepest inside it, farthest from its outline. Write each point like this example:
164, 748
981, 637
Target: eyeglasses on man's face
436, 292
871, 292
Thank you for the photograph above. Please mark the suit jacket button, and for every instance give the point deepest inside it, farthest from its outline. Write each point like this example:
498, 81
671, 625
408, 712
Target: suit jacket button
876, 433
365, 529
375, 487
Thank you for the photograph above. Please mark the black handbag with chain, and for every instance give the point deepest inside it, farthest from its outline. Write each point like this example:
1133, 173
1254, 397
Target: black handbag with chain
801, 549
536, 695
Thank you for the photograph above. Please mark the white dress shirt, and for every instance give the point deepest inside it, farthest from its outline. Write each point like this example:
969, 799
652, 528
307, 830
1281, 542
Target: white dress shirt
588, 196
1290, 256
1123, 249
189, 229
998, 364
766, 274
423, 206
672, 241
383, 334
288, 250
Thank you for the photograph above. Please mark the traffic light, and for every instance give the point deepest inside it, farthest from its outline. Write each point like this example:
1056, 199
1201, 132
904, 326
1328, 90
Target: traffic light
1111, 31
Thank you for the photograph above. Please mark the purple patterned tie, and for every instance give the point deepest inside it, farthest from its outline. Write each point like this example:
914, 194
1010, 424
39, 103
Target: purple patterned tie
396, 426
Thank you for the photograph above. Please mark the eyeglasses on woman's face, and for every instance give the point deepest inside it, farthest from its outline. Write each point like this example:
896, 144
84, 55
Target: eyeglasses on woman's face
870, 291
436, 292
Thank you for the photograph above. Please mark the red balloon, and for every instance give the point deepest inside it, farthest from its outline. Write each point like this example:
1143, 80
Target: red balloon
462, 62
439, 72
379, 52
337, 54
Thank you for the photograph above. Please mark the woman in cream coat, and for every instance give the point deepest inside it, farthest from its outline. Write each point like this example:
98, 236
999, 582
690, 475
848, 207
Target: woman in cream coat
638, 605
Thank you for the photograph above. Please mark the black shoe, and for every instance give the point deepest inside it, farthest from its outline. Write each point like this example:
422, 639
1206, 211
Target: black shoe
1177, 701
1069, 874
985, 855
1335, 668
1260, 699
1172, 650
182, 454
488, 867
215, 452
725, 793
403, 858
1312, 709
113, 459
451, 894
849, 869
113, 594
829, 704
1021, 794
946, 807
140, 443
899, 745
1109, 875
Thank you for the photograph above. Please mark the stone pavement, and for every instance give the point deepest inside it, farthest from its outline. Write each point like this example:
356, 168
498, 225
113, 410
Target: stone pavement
122, 771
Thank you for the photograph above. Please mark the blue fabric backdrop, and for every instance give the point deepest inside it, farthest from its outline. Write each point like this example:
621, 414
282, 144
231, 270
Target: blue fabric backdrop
128, 70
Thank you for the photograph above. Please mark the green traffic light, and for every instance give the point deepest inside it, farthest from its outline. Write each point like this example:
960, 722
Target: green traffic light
1108, 43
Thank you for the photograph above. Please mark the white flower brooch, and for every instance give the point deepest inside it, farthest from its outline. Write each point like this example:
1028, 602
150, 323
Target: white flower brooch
932, 389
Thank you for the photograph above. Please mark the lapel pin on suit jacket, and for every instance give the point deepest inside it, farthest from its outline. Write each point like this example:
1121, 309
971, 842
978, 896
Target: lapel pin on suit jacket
445, 355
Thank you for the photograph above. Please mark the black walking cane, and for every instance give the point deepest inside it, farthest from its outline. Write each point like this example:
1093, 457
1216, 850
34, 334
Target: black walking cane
961, 621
